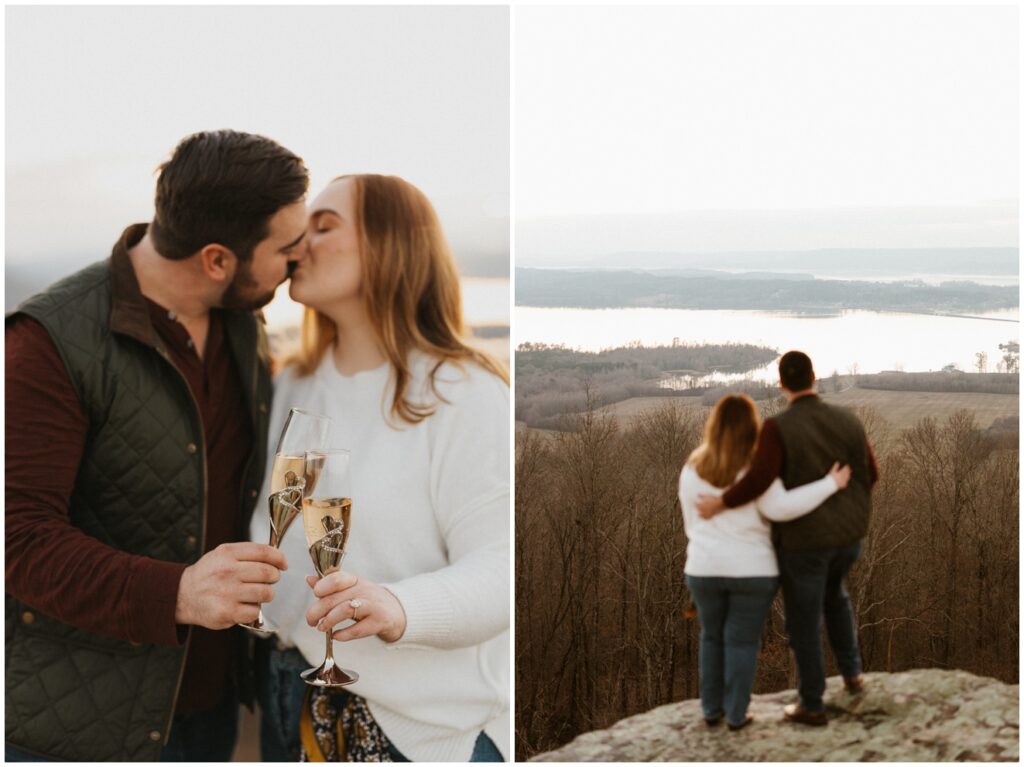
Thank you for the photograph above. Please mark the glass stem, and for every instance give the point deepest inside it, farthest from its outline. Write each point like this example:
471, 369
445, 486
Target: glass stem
329, 658
276, 544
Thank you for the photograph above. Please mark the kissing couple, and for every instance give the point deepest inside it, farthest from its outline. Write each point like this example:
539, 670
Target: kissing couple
140, 405
781, 503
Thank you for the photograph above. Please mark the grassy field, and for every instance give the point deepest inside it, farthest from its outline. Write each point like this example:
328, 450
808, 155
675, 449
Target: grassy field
901, 409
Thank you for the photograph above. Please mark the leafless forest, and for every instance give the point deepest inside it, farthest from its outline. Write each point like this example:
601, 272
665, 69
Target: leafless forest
600, 550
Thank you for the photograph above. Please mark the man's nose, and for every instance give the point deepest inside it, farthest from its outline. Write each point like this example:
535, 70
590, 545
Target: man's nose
296, 256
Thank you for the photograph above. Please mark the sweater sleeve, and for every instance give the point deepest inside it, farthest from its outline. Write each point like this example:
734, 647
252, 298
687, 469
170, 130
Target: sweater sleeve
782, 505
468, 601
74, 578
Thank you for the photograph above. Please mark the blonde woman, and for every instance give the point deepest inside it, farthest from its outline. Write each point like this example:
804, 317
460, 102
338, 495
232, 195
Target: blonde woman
421, 608
731, 570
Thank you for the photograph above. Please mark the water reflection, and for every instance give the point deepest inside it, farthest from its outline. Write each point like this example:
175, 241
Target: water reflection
846, 342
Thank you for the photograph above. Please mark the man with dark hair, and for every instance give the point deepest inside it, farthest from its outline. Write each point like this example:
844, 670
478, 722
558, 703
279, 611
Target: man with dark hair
138, 393
795, 372
816, 551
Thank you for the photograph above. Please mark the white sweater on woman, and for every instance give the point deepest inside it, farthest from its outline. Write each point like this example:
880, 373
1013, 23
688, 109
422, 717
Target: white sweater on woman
737, 543
430, 521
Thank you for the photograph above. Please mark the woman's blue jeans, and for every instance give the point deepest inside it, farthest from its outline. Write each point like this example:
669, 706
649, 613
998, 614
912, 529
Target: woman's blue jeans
732, 613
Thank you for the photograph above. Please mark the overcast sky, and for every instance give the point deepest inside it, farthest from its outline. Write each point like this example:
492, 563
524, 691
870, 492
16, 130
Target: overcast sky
653, 111
98, 97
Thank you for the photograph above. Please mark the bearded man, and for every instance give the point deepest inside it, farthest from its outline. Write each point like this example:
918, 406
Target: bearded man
137, 402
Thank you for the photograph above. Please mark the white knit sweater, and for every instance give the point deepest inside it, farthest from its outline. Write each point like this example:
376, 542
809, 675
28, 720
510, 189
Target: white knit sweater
430, 521
737, 543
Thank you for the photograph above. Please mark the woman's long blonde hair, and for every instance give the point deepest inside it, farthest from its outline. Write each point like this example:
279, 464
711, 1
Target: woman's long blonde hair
730, 436
410, 286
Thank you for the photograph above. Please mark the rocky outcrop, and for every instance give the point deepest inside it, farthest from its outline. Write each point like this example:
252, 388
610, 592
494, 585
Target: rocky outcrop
923, 715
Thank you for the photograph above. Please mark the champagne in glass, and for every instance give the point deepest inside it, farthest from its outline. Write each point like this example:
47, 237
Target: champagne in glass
290, 477
302, 431
327, 524
327, 519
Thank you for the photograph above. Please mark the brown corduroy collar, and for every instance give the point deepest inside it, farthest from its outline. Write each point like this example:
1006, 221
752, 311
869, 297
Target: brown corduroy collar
129, 309
129, 312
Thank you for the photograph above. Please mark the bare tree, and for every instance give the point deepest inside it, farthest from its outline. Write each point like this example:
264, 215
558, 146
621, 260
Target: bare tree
600, 553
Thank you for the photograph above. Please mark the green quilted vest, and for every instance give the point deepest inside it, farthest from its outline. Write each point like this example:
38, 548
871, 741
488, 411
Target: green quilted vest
814, 436
71, 694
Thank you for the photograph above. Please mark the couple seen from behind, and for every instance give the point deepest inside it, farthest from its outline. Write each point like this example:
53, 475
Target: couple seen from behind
784, 504
139, 410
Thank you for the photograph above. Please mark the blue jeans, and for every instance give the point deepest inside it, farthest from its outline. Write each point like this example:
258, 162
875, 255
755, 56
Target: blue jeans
812, 585
732, 613
15, 754
204, 736
281, 692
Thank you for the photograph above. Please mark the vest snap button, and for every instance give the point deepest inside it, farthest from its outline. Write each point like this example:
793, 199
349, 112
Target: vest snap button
154, 735
191, 540
252, 493
192, 448
28, 618
263, 407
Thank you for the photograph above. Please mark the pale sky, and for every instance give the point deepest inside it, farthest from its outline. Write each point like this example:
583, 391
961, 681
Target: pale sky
97, 97
665, 110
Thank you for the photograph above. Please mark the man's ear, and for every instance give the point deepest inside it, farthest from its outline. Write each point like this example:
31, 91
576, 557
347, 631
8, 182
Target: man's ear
218, 263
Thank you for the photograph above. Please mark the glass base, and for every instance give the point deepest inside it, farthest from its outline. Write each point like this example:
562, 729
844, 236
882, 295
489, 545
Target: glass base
329, 675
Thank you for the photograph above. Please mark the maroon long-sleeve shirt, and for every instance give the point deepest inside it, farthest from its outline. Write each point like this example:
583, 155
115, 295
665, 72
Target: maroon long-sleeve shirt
76, 578
768, 463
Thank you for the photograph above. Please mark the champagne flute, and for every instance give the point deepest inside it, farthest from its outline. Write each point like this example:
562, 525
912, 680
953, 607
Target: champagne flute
327, 518
291, 476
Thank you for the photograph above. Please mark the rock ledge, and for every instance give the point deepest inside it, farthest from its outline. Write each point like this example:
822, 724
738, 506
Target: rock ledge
922, 715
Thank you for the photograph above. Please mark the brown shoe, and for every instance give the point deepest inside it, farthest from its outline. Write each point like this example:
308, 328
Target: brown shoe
854, 684
795, 712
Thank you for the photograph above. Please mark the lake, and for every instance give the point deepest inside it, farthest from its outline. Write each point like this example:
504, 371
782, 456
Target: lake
871, 341
485, 301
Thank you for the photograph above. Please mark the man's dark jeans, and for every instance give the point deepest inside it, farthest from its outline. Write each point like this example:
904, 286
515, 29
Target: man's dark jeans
204, 736
15, 754
280, 691
812, 585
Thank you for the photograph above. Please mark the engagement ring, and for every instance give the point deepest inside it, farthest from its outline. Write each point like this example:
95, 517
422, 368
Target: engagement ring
356, 604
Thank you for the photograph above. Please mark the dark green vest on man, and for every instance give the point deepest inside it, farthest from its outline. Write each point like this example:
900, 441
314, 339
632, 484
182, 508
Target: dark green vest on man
71, 694
814, 436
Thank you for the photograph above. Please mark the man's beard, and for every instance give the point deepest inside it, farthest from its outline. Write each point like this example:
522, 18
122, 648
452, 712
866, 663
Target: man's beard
240, 293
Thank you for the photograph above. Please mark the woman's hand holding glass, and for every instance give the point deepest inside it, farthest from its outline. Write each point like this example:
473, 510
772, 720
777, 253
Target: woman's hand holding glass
343, 596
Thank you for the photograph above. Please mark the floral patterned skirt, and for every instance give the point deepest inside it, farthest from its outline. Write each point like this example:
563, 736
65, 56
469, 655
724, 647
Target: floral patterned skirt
338, 727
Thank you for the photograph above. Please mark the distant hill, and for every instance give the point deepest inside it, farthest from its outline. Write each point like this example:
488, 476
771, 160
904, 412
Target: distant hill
766, 292
24, 279
850, 262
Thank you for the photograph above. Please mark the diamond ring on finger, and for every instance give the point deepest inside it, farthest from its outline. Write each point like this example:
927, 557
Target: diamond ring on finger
355, 604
